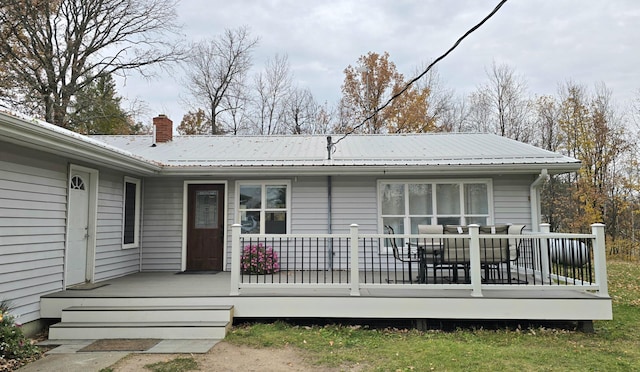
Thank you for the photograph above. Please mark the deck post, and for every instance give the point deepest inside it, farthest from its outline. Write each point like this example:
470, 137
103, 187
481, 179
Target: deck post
474, 260
355, 270
600, 259
235, 260
545, 228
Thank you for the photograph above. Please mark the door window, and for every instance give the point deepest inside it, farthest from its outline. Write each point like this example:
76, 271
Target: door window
206, 210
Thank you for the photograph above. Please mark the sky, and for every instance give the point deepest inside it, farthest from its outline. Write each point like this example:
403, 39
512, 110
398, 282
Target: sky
546, 42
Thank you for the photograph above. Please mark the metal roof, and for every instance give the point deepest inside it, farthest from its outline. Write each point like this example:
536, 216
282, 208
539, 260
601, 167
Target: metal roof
403, 154
417, 150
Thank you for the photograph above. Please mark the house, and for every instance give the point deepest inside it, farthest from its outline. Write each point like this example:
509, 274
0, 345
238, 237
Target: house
131, 211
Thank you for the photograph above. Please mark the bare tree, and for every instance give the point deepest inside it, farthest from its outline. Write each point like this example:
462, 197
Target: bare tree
456, 117
323, 123
236, 119
441, 108
272, 88
218, 67
503, 102
51, 50
300, 111
479, 116
547, 117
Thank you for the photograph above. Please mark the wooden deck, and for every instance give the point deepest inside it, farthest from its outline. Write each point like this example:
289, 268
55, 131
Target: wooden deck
410, 301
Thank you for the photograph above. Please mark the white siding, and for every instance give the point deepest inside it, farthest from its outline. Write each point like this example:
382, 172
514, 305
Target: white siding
111, 260
309, 205
162, 224
33, 201
511, 200
355, 201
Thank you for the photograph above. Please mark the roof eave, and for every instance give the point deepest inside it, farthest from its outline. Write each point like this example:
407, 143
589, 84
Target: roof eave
16, 130
425, 170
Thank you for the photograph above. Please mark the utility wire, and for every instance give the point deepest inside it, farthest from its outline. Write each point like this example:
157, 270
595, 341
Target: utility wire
455, 45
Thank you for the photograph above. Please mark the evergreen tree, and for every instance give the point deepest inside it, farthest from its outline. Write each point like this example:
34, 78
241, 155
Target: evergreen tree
97, 110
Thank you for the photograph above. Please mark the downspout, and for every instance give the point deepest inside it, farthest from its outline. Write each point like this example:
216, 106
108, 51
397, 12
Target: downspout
329, 212
329, 223
534, 192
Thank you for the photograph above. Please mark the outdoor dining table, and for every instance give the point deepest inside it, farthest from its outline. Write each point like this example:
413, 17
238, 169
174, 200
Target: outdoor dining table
428, 253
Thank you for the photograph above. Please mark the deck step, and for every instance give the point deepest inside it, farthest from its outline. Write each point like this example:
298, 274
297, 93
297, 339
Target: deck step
168, 322
163, 330
147, 313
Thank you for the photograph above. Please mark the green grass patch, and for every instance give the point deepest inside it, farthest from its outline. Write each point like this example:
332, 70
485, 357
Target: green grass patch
175, 365
615, 345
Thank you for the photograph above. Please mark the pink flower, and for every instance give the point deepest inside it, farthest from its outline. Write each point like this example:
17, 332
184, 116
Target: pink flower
259, 259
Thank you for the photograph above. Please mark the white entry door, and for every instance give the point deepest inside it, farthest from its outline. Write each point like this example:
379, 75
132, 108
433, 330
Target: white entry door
77, 248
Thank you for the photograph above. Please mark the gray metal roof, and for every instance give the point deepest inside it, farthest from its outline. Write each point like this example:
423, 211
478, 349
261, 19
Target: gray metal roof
404, 154
409, 150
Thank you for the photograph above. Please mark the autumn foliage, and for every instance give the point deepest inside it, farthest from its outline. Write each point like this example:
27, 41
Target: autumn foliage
368, 86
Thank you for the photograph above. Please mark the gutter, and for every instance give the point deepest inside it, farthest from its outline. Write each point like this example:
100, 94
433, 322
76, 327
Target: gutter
373, 170
534, 193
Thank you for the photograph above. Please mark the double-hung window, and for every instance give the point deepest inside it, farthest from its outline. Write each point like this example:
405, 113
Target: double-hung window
406, 204
264, 207
131, 213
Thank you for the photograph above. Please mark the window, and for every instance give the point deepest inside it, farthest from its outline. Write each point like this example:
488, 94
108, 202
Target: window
405, 205
131, 208
206, 211
77, 183
263, 207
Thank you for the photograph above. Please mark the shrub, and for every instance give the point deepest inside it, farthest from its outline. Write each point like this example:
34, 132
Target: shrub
13, 343
259, 259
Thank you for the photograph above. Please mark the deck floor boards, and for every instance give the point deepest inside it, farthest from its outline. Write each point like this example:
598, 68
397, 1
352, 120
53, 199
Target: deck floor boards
167, 284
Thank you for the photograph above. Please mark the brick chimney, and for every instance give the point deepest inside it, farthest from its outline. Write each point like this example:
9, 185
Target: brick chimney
164, 128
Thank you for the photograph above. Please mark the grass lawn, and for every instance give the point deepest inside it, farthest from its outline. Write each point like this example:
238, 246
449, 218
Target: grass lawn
615, 345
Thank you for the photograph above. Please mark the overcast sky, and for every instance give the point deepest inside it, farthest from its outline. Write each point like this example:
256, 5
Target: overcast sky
545, 41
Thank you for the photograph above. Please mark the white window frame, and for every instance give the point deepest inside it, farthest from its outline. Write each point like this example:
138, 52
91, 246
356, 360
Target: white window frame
136, 226
263, 209
433, 217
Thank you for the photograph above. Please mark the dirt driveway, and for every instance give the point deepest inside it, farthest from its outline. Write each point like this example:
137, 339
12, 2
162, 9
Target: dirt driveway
226, 357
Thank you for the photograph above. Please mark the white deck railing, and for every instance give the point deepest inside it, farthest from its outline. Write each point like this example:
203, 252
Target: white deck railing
553, 261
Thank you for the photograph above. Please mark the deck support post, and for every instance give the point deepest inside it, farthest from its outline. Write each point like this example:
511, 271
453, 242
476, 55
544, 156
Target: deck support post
355, 270
474, 260
600, 259
545, 228
235, 260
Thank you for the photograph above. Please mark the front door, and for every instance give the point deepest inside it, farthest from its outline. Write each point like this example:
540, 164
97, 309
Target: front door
205, 227
77, 249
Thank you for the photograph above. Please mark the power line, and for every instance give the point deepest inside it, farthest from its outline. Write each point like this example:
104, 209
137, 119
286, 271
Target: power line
455, 45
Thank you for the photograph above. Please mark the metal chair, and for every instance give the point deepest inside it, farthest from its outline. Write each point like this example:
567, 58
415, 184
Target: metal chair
408, 258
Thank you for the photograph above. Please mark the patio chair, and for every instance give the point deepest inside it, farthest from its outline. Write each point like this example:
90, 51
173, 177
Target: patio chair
430, 248
455, 251
494, 250
408, 257
514, 244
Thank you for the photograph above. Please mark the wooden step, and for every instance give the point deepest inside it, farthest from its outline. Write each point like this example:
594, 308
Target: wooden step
109, 314
167, 322
137, 330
